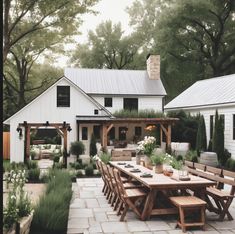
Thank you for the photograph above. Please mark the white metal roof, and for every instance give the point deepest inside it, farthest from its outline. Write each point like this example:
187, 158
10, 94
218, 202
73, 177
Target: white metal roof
219, 90
115, 82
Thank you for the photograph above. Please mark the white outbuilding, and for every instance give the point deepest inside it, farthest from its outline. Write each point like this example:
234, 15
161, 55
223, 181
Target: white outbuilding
207, 96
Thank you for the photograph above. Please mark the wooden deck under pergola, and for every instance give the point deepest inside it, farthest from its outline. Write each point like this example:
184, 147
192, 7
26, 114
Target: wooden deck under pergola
107, 124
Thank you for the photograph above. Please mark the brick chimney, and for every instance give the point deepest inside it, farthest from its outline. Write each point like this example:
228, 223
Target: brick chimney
153, 66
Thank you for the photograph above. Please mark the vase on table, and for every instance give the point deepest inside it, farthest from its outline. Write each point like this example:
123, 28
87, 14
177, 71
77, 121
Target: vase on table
158, 168
138, 158
147, 161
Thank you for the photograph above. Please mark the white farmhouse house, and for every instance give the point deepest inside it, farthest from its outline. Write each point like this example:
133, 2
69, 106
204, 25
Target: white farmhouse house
82, 98
207, 96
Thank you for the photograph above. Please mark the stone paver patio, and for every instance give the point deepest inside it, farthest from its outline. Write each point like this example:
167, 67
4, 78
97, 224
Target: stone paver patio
91, 213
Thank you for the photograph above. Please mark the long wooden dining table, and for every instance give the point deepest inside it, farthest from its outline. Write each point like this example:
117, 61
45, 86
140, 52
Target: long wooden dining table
159, 183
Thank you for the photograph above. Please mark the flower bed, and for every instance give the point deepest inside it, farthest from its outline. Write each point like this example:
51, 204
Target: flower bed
18, 202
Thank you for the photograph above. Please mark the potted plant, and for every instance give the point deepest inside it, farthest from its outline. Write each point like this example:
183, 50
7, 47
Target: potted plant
158, 160
146, 147
77, 148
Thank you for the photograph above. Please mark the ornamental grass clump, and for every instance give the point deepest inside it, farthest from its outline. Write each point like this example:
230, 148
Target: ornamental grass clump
51, 213
147, 145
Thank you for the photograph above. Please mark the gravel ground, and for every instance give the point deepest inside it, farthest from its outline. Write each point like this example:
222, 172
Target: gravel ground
34, 191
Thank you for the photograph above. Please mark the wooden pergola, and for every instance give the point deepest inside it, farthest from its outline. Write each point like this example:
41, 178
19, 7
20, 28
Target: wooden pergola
62, 129
107, 124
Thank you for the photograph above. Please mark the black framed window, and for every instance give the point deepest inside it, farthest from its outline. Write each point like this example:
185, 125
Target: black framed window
234, 127
122, 133
108, 102
96, 112
130, 103
84, 133
111, 133
138, 131
211, 126
96, 131
63, 96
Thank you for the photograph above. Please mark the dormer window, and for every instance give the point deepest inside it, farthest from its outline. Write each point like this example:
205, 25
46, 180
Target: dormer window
63, 96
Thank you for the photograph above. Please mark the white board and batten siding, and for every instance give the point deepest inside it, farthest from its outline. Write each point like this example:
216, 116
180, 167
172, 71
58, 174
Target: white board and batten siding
228, 112
44, 108
144, 102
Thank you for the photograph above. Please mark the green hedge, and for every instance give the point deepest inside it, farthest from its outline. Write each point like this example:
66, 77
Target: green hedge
51, 213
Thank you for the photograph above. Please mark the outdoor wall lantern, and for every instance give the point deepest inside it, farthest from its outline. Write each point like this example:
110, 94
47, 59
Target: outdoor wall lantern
69, 128
47, 123
19, 130
25, 123
64, 124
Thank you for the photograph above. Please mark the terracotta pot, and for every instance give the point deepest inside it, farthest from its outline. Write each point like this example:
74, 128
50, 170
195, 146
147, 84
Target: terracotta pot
159, 169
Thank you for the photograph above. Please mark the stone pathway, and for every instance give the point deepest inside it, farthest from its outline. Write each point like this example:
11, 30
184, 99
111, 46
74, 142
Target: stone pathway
90, 213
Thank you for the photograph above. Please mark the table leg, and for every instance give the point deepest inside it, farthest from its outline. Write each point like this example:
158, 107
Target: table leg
148, 206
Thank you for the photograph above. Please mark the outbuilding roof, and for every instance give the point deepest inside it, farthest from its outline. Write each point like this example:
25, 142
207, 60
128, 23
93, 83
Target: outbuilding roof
115, 82
214, 91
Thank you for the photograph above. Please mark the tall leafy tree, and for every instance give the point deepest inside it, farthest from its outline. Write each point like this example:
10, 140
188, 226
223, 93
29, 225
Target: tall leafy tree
194, 37
107, 47
32, 28
25, 17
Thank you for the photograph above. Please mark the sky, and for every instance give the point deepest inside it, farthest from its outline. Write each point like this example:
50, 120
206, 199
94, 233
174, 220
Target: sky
113, 10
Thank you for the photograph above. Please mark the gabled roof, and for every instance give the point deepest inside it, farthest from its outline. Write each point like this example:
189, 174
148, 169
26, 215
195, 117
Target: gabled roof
214, 91
115, 82
99, 106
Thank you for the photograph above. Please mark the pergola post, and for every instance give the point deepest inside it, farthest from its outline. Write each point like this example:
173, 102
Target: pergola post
105, 130
27, 138
64, 130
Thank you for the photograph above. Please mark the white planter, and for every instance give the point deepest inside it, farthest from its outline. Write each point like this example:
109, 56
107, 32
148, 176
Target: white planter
209, 158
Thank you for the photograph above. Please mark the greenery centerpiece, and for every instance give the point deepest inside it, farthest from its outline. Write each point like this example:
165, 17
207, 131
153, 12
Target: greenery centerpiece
146, 147
158, 160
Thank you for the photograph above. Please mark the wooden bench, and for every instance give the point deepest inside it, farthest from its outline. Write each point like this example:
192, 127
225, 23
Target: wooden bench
120, 155
189, 203
221, 199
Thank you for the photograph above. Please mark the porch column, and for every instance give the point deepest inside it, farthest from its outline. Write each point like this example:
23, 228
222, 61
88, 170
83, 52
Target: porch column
169, 135
27, 138
104, 136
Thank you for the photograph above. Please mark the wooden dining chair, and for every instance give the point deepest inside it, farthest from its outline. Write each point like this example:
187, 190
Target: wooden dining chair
128, 197
98, 165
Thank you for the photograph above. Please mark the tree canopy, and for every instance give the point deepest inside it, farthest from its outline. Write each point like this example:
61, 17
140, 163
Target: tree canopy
194, 38
107, 47
32, 28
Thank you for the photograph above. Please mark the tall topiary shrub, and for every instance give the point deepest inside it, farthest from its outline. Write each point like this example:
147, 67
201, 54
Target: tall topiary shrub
201, 142
218, 139
77, 148
215, 133
220, 147
93, 149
